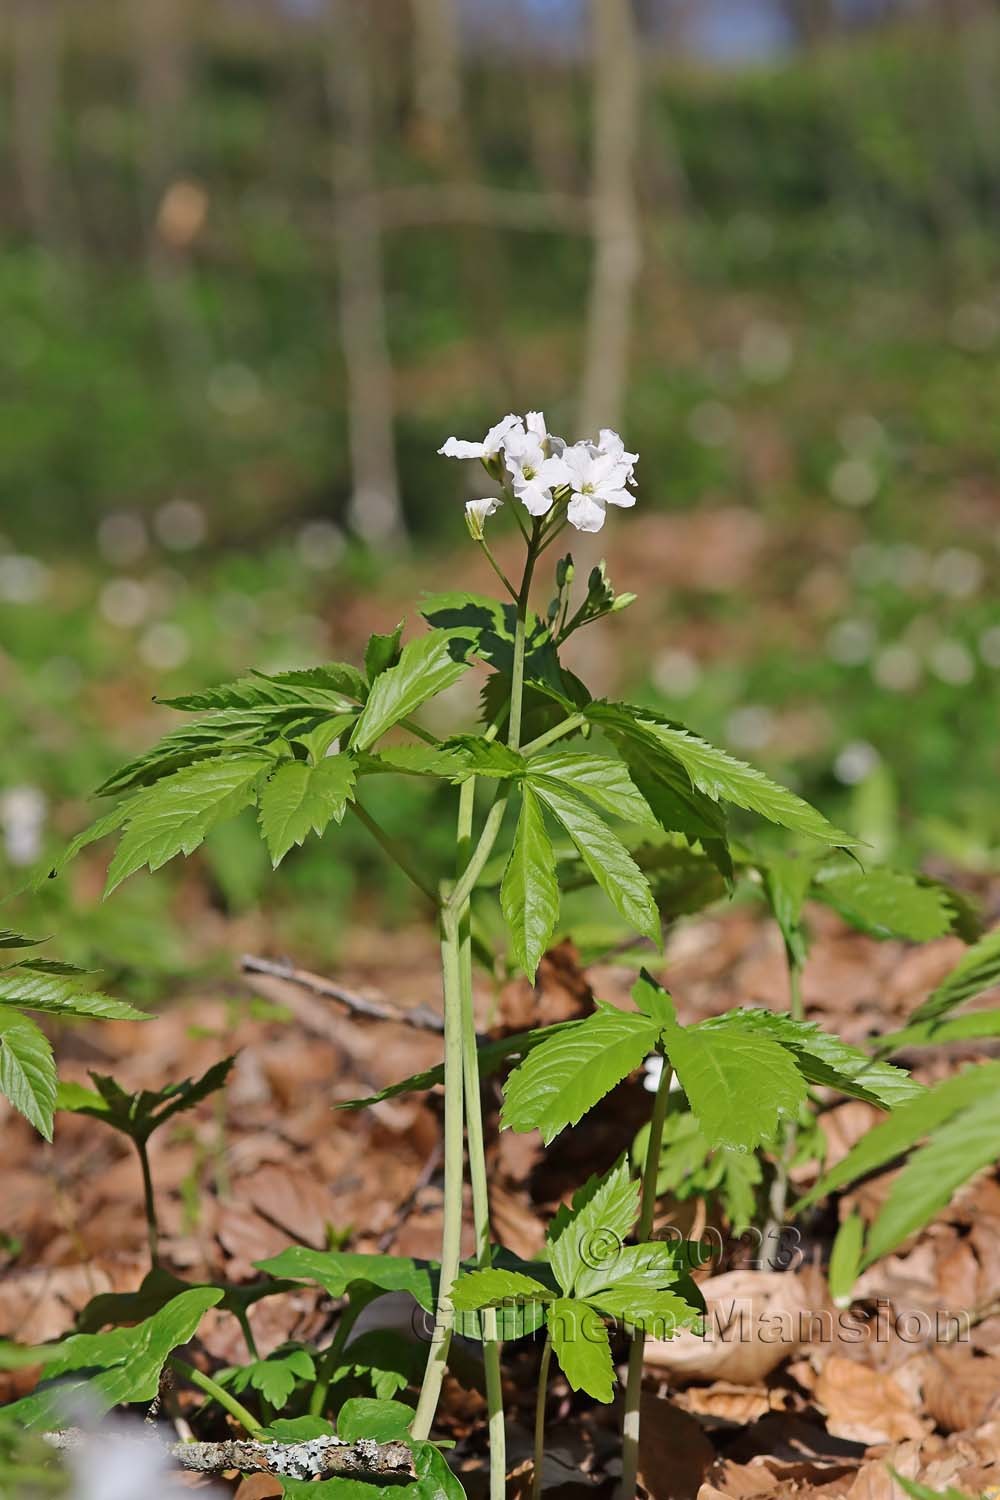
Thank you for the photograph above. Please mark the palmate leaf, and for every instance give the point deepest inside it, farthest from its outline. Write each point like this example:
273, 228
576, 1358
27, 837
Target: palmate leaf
27, 1070
715, 774
174, 816
976, 971
426, 666
529, 891
632, 1269
61, 995
340, 1271
108, 823
786, 883
588, 1235
660, 1314
300, 799
274, 1377
824, 1059
739, 1086
385, 1359
138, 1115
580, 1344
956, 1151
886, 903
129, 1361
907, 1125
610, 863
603, 781
564, 1076
492, 1056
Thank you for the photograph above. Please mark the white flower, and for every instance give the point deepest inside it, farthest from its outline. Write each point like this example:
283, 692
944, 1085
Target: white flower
597, 478
614, 447
476, 512
534, 462
488, 448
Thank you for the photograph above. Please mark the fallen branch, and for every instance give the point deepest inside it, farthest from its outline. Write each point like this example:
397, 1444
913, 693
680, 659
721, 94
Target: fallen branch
362, 1006
315, 1459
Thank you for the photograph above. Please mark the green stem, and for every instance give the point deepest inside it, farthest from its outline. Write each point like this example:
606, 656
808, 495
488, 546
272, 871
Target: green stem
466, 883
395, 851
568, 726
149, 1204
795, 1005
543, 1390
512, 591
520, 629
451, 1231
778, 1195
477, 1160
212, 1388
243, 1319
647, 1206
330, 1359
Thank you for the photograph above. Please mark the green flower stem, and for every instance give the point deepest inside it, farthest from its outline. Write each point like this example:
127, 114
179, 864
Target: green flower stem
477, 1161
568, 726
512, 591
329, 1362
451, 1232
395, 851
212, 1388
543, 1390
517, 671
149, 1204
647, 1206
795, 1006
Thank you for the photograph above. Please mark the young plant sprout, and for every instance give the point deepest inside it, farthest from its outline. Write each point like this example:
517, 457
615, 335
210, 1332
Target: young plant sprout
576, 791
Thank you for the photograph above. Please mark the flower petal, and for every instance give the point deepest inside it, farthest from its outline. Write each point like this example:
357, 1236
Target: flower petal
585, 512
459, 448
535, 497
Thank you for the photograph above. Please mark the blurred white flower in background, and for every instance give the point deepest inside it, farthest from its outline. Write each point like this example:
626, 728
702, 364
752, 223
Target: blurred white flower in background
855, 762
180, 525
22, 819
957, 573
897, 668
130, 1465
124, 602
952, 662
23, 580
319, 544
854, 482
122, 538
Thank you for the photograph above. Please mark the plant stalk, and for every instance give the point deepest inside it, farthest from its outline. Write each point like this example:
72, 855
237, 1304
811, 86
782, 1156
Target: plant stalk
451, 1232
149, 1204
330, 1359
540, 1399
647, 1207
477, 1161
520, 630
218, 1393
395, 851
778, 1195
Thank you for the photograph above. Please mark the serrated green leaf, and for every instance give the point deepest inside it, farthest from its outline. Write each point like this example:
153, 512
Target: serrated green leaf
9, 939
50, 966
300, 799
384, 1358
129, 1361
675, 803
633, 1268
529, 891
138, 1115
340, 1270
825, 1059
385, 1421
580, 1344
382, 652
564, 1077
492, 1055
27, 1070
175, 815
318, 687
976, 971
786, 883
845, 1259
426, 666
274, 1377
659, 1314
907, 1125
101, 828
491, 1287
886, 903
610, 863
603, 781
653, 1000
720, 777
62, 995
973, 1026
739, 1086
957, 1150
588, 1235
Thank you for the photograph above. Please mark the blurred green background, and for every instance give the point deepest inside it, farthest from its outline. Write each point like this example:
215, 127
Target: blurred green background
259, 260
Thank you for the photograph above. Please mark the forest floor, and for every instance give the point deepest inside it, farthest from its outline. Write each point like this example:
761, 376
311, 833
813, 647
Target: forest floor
820, 1411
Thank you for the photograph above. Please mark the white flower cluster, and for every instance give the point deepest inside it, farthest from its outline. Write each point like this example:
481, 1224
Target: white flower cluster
541, 469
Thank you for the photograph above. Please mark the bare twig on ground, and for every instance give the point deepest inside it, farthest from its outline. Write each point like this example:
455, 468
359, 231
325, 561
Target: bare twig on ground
318, 1458
364, 1007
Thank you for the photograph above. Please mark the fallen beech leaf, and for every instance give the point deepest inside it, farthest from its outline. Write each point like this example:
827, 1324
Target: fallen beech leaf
961, 1391
259, 1487
726, 1402
866, 1406
755, 1320
674, 1453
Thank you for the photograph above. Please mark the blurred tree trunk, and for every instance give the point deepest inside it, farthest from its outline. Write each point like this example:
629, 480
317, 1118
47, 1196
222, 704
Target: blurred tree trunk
375, 509
36, 44
437, 69
614, 213
173, 209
